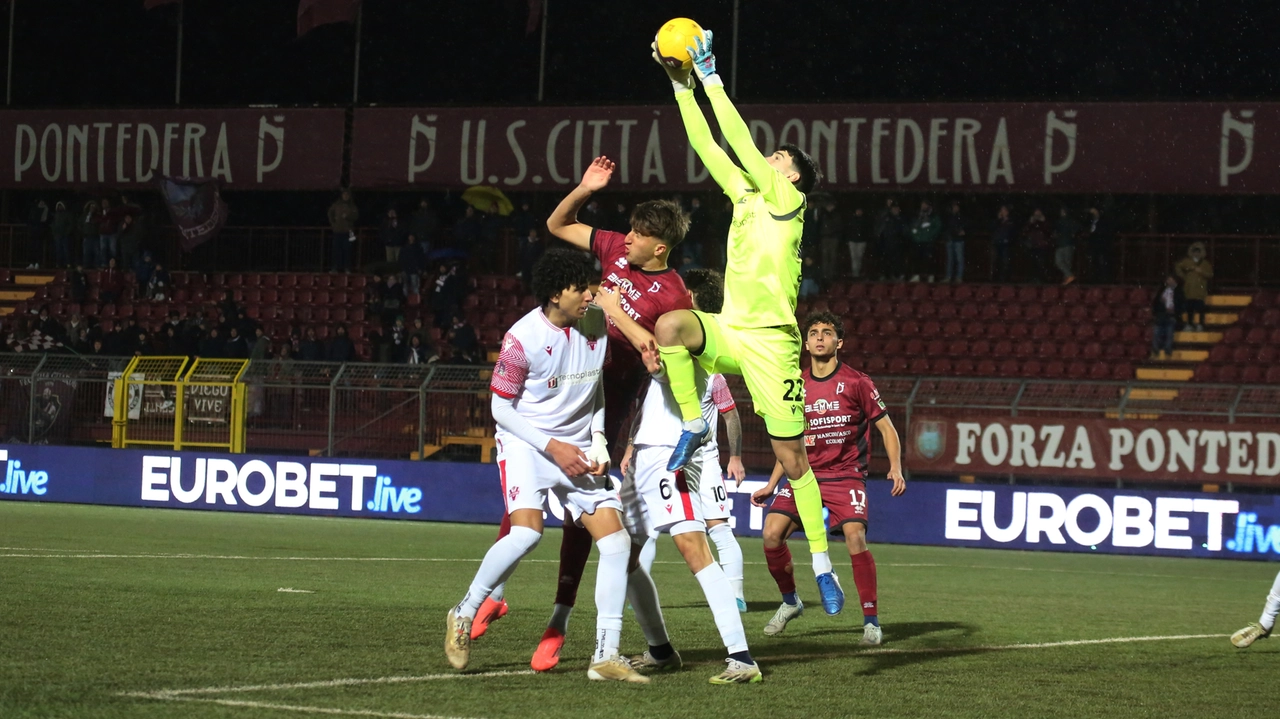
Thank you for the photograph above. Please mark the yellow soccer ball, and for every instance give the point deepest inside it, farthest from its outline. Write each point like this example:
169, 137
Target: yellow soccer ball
674, 39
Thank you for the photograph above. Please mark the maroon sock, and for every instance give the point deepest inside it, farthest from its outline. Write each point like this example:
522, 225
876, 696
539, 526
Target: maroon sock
779, 561
575, 550
864, 575
504, 528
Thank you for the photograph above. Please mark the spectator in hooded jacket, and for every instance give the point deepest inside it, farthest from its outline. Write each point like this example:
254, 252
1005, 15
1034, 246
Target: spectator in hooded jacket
924, 235
343, 215
64, 226
1195, 272
392, 234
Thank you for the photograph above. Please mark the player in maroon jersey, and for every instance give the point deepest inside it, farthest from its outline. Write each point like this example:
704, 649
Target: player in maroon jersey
841, 405
634, 265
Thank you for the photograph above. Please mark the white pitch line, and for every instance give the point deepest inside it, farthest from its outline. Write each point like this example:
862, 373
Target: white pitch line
293, 707
333, 683
960, 649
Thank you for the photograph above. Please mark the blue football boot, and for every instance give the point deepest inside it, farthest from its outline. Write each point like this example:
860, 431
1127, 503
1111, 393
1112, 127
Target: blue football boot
832, 594
691, 438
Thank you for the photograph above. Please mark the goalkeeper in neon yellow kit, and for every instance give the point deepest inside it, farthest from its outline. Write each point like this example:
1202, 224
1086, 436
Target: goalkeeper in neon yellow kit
755, 335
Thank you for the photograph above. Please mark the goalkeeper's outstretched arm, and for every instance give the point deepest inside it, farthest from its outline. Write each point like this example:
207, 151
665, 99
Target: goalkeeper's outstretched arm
722, 169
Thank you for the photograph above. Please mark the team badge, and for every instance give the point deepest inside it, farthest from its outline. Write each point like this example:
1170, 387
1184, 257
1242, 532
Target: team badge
930, 439
840, 388
513, 493
591, 344
657, 287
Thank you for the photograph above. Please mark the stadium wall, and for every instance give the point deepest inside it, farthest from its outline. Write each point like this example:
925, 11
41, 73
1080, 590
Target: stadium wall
1104, 521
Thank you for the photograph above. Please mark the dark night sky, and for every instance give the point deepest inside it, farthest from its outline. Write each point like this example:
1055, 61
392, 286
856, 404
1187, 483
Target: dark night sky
238, 52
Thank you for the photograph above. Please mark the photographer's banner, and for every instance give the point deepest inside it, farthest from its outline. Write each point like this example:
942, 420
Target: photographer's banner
1139, 450
1104, 521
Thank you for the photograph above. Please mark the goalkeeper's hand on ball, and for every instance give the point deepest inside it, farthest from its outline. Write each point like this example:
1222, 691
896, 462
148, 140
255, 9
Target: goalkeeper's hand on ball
681, 78
704, 63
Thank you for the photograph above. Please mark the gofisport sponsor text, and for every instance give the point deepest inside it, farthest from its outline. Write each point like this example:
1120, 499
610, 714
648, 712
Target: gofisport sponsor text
217, 481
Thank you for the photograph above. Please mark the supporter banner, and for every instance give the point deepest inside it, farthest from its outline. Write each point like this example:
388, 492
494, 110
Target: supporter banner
999, 516
197, 209
1134, 450
1035, 147
269, 149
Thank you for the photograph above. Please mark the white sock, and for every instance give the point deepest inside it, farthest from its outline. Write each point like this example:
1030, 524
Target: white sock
499, 562
611, 592
1272, 608
560, 618
498, 592
821, 563
648, 552
724, 607
730, 555
643, 595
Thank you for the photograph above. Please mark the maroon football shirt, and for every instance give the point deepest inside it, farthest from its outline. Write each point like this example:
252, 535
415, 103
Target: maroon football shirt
839, 410
645, 296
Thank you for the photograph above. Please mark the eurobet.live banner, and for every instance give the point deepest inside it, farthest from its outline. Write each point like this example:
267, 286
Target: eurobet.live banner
1034, 147
1184, 524
1137, 450
244, 149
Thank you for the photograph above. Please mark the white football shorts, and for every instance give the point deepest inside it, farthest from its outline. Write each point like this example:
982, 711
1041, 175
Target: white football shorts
528, 475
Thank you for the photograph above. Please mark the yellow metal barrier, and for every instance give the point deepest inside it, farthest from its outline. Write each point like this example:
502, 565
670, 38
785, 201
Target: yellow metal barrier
156, 403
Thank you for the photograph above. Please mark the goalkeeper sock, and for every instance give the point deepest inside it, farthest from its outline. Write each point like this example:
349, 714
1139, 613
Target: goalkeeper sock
684, 386
808, 499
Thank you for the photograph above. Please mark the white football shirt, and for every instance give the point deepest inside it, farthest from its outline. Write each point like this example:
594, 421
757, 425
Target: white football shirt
660, 418
550, 374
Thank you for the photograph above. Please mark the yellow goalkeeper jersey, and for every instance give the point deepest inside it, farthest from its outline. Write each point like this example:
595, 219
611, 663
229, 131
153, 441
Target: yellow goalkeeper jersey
762, 278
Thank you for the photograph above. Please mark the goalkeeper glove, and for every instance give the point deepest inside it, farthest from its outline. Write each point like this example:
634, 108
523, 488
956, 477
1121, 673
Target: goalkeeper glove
704, 63
681, 79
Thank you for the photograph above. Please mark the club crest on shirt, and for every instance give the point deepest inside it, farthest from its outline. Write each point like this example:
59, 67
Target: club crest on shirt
657, 287
840, 388
591, 343
513, 493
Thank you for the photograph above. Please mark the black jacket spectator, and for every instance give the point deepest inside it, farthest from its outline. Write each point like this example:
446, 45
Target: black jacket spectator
310, 349
212, 345
340, 347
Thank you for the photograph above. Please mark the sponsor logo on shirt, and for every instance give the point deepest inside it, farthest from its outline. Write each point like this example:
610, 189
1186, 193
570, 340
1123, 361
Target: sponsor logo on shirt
810, 440
822, 406
571, 380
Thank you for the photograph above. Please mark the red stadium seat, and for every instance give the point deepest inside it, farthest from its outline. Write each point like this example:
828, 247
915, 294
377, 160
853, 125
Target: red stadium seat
1101, 313
1121, 314
963, 294
1085, 333
1108, 333
884, 308
1220, 354
878, 291
1006, 294
896, 365
958, 348
1138, 297
918, 366
1117, 295
953, 329
887, 328
899, 292
1094, 296
1047, 350
863, 345
1031, 369
970, 311
1065, 332
1069, 350
1273, 375
904, 310
1051, 294
1002, 348
913, 347
1011, 313
1017, 330
866, 327
1009, 368
941, 293
1033, 312
1257, 336
857, 291
962, 367
935, 348
975, 329
1024, 349
1227, 374
1077, 370
1054, 370
1055, 313
990, 312
980, 349
946, 311
1042, 331
1252, 374
909, 328
1133, 333
1242, 355
926, 310
893, 346
1091, 351
1268, 355
1270, 318
1275, 337
941, 366
919, 292
930, 328
1100, 371
985, 368
840, 306
1205, 373
1028, 294
874, 365
1078, 314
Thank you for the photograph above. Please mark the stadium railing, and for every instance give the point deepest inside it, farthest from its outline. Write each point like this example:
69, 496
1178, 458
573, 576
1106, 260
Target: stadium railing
420, 411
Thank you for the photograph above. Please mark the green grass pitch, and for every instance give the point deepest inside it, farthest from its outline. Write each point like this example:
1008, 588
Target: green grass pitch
113, 612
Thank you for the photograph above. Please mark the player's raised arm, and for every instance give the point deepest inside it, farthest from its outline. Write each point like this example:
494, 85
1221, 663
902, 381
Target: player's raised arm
774, 186
563, 222
717, 161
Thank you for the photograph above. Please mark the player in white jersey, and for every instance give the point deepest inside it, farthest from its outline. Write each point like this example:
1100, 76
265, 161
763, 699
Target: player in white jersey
1261, 629
548, 404
706, 290
658, 500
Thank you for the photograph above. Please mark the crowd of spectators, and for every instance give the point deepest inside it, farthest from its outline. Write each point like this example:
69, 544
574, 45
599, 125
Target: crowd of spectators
89, 234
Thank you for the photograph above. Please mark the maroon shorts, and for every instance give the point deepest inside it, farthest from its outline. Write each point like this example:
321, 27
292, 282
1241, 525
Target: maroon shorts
844, 499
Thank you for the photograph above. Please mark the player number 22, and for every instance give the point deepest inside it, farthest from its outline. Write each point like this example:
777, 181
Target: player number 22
793, 392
